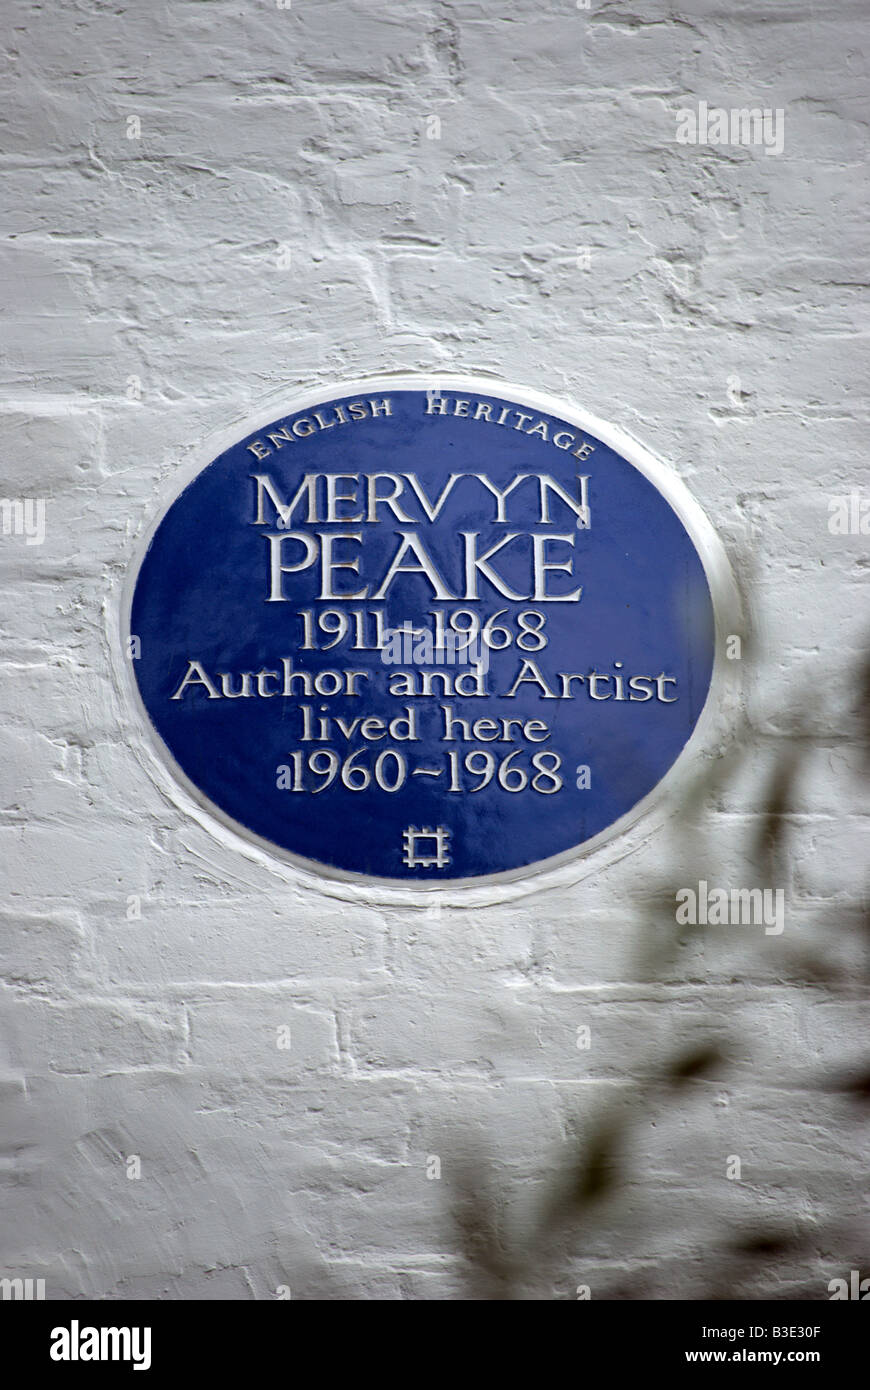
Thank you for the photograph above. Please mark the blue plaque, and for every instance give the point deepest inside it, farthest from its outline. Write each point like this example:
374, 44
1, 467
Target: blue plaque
426, 631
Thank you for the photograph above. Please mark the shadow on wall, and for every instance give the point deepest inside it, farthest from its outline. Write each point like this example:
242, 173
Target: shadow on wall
777, 1240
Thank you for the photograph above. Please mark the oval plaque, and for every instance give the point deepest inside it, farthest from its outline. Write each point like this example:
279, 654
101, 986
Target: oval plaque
426, 631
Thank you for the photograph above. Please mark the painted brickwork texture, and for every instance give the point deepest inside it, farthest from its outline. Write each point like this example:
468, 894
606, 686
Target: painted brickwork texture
208, 202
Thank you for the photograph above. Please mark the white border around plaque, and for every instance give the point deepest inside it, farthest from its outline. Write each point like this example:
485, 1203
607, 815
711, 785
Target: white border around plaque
713, 731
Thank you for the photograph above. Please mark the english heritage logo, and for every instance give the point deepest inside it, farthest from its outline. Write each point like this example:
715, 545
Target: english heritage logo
426, 632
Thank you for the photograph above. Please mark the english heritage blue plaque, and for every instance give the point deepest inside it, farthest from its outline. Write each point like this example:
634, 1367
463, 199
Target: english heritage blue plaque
425, 631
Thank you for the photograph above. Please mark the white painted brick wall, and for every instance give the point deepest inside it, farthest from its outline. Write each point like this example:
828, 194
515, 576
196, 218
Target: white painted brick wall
414, 1035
